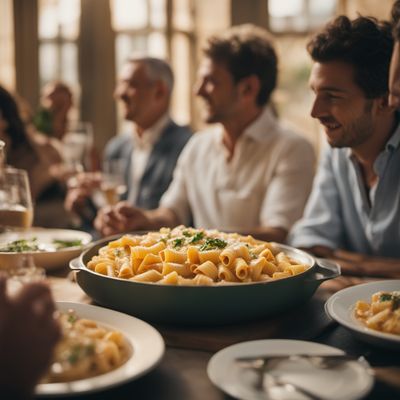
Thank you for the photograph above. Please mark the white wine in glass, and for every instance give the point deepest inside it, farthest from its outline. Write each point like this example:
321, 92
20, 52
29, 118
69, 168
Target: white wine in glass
16, 208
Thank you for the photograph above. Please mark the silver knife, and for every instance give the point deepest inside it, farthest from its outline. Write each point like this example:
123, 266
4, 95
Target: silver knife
321, 360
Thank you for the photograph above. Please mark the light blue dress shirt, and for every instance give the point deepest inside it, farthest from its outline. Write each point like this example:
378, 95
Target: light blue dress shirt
341, 213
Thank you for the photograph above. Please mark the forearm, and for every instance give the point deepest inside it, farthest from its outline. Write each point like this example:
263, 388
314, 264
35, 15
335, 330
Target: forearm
357, 264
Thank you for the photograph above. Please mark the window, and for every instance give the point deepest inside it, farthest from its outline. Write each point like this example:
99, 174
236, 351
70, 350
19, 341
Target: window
299, 15
7, 67
58, 48
159, 28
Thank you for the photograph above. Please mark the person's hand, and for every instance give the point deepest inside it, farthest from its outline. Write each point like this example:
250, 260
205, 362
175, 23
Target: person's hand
28, 334
120, 218
80, 188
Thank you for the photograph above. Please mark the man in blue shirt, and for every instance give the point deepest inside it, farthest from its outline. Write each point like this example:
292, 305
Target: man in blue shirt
353, 213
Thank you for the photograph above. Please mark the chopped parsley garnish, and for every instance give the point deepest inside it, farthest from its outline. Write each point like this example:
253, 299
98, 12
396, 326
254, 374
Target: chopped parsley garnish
186, 233
385, 297
61, 244
21, 245
197, 237
72, 318
394, 298
178, 242
213, 243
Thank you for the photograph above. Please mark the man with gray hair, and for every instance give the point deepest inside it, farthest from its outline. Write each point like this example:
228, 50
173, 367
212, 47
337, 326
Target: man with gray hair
150, 152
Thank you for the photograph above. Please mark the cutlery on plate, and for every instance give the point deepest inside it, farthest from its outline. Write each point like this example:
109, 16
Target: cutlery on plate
318, 360
269, 380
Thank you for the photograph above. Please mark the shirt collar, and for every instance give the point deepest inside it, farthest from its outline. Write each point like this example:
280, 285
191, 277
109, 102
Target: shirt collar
263, 125
258, 130
394, 142
151, 135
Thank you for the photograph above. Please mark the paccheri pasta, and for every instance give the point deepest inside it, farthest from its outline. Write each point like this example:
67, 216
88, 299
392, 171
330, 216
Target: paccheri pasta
382, 314
85, 350
188, 256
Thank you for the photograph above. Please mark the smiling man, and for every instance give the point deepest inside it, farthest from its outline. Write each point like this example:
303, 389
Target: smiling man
249, 173
353, 212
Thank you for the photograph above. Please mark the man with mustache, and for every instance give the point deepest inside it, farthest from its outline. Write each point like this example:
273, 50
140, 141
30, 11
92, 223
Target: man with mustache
353, 212
249, 173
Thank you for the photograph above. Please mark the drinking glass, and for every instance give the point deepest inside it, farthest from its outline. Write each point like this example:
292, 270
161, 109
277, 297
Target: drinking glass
112, 184
77, 143
16, 208
16, 214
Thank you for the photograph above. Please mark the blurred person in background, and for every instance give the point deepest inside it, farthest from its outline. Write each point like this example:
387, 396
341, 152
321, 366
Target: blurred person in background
148, 152
250, 174
28, 334
394, 76
353, 212
26, 148
56, 103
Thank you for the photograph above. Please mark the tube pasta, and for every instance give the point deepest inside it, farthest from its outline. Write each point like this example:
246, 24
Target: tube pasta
188, 256
85, 350
382, 314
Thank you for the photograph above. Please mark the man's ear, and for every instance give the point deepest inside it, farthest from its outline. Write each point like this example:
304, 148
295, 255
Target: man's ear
383, 104
249, 87
161, 89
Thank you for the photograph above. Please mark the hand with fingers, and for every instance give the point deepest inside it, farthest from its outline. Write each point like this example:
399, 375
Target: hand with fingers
28, 334
120, 218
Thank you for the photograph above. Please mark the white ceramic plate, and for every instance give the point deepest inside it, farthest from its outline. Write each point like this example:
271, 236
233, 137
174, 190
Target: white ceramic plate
147, 344
340, 307
50, 258
352, 380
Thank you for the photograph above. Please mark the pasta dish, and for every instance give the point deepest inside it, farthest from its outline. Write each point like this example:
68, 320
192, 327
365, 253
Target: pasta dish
382, 314
85, 350
188, 256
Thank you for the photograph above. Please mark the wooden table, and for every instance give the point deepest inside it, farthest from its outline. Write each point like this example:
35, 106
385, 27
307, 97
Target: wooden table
182, 372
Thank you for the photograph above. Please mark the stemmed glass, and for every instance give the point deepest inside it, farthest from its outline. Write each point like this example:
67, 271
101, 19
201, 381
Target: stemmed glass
77, 143
16, 215
112, 184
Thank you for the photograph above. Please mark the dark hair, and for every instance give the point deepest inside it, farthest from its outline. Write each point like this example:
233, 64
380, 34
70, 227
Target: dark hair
364, 43
396, 19
15, 126
247, 50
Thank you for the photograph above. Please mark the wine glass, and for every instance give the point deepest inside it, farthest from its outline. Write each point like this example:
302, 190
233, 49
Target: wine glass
77, 142
16, 216
112, 184
16, 208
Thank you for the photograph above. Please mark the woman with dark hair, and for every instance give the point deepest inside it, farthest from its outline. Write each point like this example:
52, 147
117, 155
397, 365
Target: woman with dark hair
25, 148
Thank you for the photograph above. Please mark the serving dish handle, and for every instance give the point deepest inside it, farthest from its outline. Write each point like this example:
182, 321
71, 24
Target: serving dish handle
75, 264
325, 269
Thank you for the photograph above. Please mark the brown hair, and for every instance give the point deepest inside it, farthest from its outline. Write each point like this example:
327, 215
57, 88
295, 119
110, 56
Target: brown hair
247, 50
365, 43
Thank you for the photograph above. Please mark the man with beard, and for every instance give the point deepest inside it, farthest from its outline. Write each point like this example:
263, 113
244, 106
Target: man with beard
148, 154
248, 174
353, 212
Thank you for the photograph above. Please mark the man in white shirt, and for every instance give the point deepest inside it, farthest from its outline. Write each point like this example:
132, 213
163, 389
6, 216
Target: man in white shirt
249, 174
149, 153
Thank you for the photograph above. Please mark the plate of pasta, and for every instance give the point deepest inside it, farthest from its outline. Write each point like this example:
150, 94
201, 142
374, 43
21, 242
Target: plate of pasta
371, 311
198, 276
99, 348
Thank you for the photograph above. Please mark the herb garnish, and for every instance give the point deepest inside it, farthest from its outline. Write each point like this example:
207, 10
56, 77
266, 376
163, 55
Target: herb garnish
385, 297
197, 237
21, 245
178, 242
213, 243
61, 244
